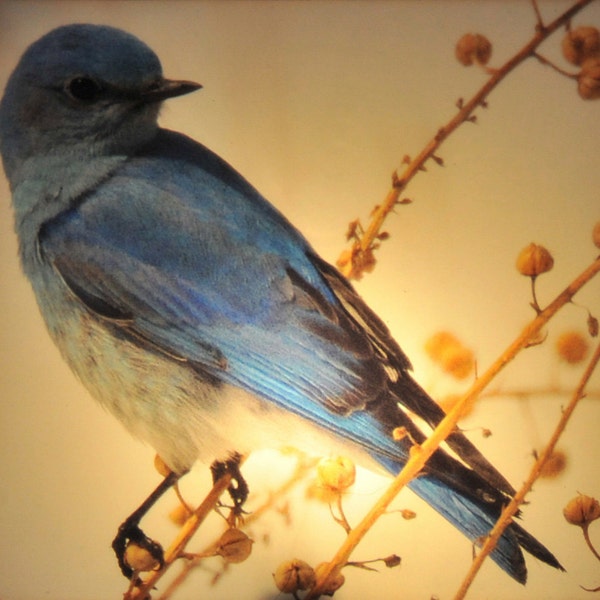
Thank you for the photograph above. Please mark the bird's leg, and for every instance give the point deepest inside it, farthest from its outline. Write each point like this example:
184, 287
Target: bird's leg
238, 488
130, 532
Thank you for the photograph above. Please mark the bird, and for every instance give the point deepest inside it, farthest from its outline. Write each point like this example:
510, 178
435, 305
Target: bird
189, 306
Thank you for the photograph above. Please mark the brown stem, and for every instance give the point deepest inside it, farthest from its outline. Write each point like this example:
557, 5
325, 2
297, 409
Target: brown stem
189, 528
351, 263
512, 508
421, 453
588, 541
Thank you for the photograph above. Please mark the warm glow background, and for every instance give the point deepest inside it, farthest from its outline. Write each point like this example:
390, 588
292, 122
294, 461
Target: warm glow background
316, 103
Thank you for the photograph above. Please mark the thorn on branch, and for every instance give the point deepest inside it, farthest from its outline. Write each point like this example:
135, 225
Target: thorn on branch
397, 181
391, 561
438, 160
354, 230
471, 119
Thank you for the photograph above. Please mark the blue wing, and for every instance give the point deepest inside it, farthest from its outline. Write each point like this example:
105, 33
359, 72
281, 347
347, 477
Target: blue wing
188, 258
198, 264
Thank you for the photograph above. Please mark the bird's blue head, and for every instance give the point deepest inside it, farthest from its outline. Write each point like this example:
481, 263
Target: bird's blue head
87, 89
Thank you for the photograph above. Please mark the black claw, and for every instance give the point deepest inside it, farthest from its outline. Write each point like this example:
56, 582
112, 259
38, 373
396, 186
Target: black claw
130, 532
238, 488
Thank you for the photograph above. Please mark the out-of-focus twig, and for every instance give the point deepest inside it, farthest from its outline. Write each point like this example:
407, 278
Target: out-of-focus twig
304, 465
141, 592
358, 259
513, 506
422, 453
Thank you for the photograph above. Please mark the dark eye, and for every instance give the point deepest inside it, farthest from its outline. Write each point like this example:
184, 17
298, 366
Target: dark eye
84, 89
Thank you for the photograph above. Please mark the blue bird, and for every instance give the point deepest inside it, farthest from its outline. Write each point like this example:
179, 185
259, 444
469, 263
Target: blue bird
188, 305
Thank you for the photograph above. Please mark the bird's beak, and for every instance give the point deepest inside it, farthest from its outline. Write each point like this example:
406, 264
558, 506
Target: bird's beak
168, 88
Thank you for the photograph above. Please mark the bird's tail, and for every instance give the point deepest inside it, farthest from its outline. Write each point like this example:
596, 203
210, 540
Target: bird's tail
467, 491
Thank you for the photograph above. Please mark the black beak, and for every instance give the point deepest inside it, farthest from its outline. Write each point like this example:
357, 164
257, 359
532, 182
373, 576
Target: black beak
168, 88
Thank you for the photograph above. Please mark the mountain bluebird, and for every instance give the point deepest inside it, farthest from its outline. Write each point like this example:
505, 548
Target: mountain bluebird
190, 307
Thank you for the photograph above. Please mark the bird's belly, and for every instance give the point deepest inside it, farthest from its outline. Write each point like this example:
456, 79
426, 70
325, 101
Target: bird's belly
164, 401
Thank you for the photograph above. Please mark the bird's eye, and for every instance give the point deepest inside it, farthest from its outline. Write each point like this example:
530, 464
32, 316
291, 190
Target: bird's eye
84, 89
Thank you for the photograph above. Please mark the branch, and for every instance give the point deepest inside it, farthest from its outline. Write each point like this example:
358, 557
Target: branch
420, 454
303, 466
512, 508
354, 262
142, 592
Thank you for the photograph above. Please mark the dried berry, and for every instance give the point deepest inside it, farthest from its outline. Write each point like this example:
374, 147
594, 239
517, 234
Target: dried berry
336, 473
473, 48
294, 575
408, 514
588, 80
534, 260
580, 44
572, 347
234, 546
555, 465
582, 510
179, 515
445, 349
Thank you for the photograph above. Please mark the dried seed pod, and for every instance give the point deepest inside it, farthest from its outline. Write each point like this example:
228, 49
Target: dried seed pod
582, 510
534, 260
234, 546
580, 44
572, 347
337, 473
555, 465
445, 349
294, 575
473, 48
588, 80
408, 514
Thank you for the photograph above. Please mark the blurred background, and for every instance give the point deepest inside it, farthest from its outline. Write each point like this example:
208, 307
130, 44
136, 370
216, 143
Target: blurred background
316, 103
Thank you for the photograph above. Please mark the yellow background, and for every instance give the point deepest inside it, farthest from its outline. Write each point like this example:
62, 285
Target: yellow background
316, 103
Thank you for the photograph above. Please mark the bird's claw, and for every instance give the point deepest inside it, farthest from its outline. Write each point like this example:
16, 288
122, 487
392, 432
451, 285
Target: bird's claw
238, 488
131, 533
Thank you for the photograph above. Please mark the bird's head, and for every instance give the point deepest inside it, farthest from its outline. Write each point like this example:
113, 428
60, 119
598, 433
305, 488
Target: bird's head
87, 89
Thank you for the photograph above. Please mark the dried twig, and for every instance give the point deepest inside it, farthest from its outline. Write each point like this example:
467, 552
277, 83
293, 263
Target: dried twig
421, 454
359, 258
512, 508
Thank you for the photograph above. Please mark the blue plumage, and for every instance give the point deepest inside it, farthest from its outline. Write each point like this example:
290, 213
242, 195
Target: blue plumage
187, 304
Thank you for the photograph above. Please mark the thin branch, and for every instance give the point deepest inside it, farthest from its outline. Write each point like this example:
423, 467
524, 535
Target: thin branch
548, 63
420, 454
303, 466
538, 14
513, 506
352, 262
588, 541
189, 528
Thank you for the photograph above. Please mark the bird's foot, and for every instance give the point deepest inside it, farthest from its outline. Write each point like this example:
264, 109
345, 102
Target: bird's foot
238, 488
130, 532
